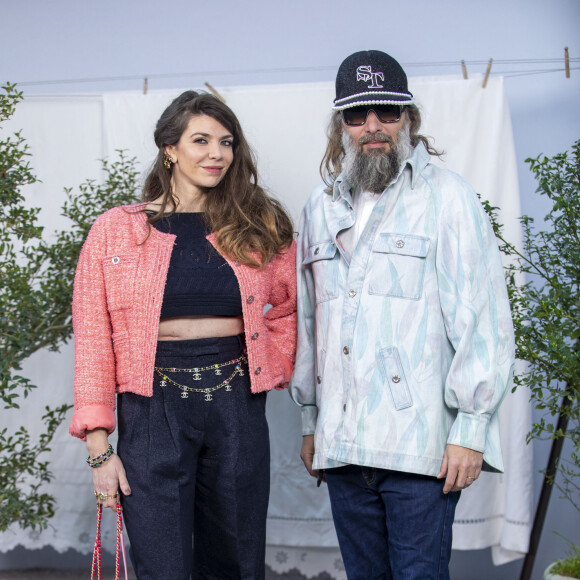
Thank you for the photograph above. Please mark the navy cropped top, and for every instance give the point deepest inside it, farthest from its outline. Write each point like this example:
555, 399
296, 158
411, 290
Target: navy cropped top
199, 281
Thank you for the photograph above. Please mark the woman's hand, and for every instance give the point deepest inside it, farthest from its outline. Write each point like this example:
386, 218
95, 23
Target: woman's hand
109, 476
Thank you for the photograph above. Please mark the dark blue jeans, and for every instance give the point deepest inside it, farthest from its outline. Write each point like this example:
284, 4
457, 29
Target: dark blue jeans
391, 525
199, 469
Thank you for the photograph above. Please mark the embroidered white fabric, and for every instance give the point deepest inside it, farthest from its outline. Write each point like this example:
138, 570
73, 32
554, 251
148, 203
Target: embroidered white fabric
308, 561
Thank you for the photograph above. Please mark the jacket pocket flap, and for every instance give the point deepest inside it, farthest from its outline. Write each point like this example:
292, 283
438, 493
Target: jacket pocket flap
120, 261
403, 244
119, 271
320, 251
395, 378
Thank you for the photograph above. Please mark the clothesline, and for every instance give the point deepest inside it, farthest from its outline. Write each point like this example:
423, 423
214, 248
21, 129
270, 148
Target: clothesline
290, 70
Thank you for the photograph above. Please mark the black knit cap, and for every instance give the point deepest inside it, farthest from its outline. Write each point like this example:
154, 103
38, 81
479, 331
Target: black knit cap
371, 77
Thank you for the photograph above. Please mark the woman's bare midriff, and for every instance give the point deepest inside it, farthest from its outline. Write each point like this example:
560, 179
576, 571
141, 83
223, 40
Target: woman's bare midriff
193, 327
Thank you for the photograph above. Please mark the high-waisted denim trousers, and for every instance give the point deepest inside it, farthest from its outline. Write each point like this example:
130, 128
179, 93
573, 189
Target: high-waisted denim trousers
198, 464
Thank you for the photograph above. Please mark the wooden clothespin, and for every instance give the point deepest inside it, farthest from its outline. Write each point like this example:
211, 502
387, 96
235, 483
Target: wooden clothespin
567, 62
214, 91
487, 73
145, 84
464, 69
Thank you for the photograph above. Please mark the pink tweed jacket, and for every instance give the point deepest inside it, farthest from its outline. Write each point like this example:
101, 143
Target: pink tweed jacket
118, 291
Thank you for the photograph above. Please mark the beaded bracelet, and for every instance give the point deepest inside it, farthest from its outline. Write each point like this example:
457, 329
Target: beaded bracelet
100, 459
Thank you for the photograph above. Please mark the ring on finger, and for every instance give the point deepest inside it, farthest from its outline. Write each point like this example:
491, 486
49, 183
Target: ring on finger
105, 496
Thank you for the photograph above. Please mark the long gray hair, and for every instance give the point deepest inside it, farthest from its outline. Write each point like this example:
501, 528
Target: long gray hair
331, 164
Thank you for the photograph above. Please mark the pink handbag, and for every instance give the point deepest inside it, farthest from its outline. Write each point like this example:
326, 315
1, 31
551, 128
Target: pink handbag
119, 547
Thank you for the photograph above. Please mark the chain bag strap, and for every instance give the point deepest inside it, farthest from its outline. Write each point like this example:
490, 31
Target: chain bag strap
119, 545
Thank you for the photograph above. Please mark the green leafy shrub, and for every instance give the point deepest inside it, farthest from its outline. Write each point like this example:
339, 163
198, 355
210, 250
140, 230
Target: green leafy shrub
546, 307
546, 314
36, 282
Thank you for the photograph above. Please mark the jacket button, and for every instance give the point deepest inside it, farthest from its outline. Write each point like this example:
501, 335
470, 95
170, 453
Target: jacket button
352, 293
318, 379
345, 350
115, 260
400, 244
249, 299
396, 379
344, 407
317, 251
255, 335
258, 370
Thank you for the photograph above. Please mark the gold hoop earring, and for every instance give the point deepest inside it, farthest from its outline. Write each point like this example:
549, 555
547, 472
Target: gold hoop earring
167, 161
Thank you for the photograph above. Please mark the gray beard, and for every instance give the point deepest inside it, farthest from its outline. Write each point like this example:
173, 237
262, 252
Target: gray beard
374, 170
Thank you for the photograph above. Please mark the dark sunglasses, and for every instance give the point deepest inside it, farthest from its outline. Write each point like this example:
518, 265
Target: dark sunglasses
384, 113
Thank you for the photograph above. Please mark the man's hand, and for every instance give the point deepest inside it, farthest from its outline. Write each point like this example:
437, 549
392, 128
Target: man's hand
460, 467
307, 454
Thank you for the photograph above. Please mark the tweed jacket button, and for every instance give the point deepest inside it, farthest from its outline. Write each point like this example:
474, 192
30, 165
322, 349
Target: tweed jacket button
258, 370
345, 350
396, 379
255, 335
249, 299
115, 260
400, 244
352, 293
318, 379
317, 251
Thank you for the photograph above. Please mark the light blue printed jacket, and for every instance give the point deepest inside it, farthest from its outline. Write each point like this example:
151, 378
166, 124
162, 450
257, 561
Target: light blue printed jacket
408, 346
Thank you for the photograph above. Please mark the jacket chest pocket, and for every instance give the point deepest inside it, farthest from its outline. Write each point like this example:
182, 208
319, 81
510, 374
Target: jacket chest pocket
398, 266
119, 271
323, 259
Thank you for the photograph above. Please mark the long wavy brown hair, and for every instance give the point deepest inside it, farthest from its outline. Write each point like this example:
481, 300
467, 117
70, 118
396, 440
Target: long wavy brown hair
331, 164
251, 226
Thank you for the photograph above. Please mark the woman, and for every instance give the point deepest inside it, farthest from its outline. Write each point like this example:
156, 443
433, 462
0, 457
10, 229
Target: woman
168, 312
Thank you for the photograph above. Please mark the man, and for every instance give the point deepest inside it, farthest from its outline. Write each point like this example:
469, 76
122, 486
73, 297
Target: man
405, 340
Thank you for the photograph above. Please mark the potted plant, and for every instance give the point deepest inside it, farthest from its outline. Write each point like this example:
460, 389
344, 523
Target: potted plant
546, 314
566, 568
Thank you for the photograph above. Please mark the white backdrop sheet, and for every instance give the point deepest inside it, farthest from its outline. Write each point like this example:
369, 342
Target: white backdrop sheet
286, 126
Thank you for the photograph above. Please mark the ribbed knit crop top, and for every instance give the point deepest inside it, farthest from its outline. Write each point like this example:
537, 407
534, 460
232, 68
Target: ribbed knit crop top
199, 281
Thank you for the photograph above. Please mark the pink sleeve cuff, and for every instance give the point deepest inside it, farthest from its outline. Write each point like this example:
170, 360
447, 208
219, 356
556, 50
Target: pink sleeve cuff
92, 417
288, 369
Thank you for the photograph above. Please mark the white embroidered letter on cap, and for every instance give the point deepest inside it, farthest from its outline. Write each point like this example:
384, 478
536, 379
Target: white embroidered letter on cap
365, 73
